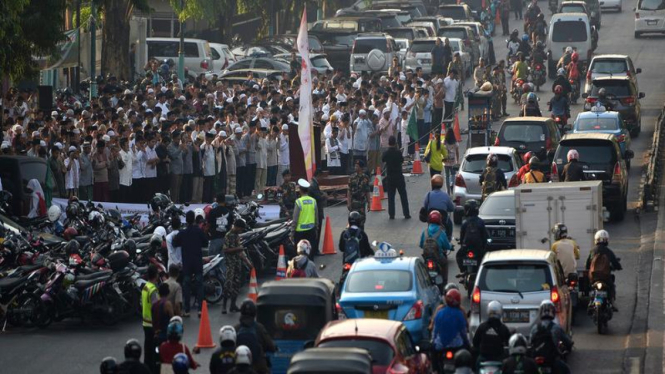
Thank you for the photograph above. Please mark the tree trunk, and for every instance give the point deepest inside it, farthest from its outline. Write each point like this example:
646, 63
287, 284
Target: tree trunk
225, 21
115, 49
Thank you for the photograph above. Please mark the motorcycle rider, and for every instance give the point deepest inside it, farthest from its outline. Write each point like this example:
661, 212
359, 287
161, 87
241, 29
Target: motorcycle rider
492, 178
539, 29
491, 336
531, 107
532, 12
538, 55
526, 167
243, 364
513, 44
450, 326
132, 363
573, 171
223, 359
463, 362
520, 70
438, 199
573, 69
603, 100
109, 365
254, 335
565, 58
434, 242
518, 362
548, 329
559, 105
353, 242
598, 259
301, 266
562, 81
566, 249
533, 175
525, 45
473, 234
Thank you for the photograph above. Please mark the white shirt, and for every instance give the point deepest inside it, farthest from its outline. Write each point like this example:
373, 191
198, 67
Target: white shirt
150, 171
283, 150
451, 89
138, 164
72, 176
262, 154
174, 253
208, 162
344, 142
165, 108
126, 172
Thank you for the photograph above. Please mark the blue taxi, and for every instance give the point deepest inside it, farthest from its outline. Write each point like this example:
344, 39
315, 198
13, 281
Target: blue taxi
391, 286
599, 120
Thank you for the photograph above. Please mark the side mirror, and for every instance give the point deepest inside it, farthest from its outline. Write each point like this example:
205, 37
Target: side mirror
629, 154
641, 95
585, 95
638, 70
308, 344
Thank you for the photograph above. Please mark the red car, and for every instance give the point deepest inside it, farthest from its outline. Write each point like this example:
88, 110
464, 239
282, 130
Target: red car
388, 342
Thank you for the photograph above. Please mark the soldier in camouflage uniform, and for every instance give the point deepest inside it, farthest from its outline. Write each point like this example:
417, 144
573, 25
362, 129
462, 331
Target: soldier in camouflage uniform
233, 255
358, 193
498, 86
286, 195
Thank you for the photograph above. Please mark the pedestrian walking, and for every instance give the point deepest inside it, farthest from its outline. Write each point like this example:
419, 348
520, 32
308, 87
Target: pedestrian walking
394, 181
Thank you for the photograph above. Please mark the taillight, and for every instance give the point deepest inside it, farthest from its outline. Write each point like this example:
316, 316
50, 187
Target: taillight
340, 312
204, 64
459, 181
554, 173
572, 283
628, 101
637, 16
470, 254
591, 100
616, 176
540, 360
555, 297
621, 138
347, 267
475, 300
497, 141
449, 355
538, 67
430, 264
514, 182
416, 311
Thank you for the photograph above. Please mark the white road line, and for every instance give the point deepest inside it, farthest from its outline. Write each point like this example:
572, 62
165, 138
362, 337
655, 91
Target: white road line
634, 365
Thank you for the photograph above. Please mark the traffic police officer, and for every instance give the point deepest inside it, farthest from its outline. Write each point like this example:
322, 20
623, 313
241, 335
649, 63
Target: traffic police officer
148, 297
305, 218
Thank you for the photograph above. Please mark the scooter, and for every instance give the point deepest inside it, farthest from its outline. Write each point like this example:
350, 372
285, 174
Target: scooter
213, 278
538, 75
575, 91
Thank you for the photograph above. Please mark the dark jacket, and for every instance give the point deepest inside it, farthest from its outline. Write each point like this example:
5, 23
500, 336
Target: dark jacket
365, 248
519, 364
490, 338
393, 160
605, 250
500, 179
260, 364
562, 81
219, 212
316, 194
133, 367
192, 240
572, 172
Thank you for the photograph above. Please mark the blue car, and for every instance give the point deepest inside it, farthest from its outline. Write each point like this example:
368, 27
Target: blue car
391, 286
598, 120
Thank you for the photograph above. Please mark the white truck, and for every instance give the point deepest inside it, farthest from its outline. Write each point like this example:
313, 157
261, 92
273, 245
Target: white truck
538, 207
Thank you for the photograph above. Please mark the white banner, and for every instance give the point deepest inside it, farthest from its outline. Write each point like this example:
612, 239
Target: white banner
305, 114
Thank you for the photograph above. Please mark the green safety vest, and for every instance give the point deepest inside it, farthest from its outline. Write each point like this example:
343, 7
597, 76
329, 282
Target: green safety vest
146, 303
307, 216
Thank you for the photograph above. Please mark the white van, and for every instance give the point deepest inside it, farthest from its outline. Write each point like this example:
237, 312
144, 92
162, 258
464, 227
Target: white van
221, 57
569, 30
198, 58
649, 17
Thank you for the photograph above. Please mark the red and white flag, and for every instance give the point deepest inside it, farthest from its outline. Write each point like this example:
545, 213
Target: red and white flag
305, 113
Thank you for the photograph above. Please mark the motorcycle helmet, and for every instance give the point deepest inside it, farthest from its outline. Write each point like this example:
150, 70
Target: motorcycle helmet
114, 215
129, 246
248, 308
531, 98
54, 213
132, 350
492, 160
304, 247
527, 156
575, 56
533, 161
453, 298
239, 222
156, 240
450, 286
72, 210
573, 155
434, 217
227, 335
463, 359
558, 89
471, 208
601, 236
539, 44
72, 248
525, 38
560, 231
243, 355
180, 364
355, 218
95, 219
561, 72
70, 233
109, 365
494, 310
97, 259
160, 230
517, 345
569, 49
159, 201
174, 330
547, 310
436, 181
526, 88
602, 93
198, 212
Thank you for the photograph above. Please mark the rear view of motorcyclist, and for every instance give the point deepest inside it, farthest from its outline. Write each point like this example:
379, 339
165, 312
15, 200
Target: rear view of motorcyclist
132, 363
573, 171
562, 80
531, 108
518, 362
463, 362
539, 29
547, 337
492, 178
353, 242
603, 100
526, 167
473, 234
597, 264
450, 325
492, 335
566, 249
434, 242
525, 45
538, 55
559, 104
438, 199
534, 175
565, 58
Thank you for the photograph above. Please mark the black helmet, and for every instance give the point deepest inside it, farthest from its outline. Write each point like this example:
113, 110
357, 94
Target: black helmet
355, 218
159, 201
72, 210
129, 246
109, 366
471, 208
239, 222
156, 240
248, 308
463, 359
72, 248
560, 231
492, 160
539, 44
132, 349
114, 215
230, 200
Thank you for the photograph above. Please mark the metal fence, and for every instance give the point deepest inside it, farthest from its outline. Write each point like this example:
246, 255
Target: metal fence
652, 170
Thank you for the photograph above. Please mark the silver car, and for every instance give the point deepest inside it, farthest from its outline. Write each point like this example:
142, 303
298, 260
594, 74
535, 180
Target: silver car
520, 279
465, 55
373, 53
467, 181
420, 55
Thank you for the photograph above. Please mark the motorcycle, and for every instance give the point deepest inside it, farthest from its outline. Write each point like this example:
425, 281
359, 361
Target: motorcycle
575, 91
538, 75
490, 367
17, 297
561, 123
468, 275
448, 361
601, 306
437, 272
574, 288
517, 90
213, 278
545, 367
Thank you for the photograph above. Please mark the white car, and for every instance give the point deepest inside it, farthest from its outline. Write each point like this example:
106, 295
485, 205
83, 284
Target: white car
403, 45
221, 56
649, 17
611, 66
481, 38
614, 4
458, 46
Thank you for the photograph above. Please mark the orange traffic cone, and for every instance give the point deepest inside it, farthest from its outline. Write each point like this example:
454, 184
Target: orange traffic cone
205, 334
281, 264
456, 129
417, 166
253, 286
376, 201
328, 244
378, 181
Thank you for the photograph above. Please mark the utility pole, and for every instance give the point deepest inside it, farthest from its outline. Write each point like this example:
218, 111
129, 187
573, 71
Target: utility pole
271, 28
93, 50
181, 52
77, 70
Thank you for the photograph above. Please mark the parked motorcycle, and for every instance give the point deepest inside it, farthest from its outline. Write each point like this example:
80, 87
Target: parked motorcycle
213, 278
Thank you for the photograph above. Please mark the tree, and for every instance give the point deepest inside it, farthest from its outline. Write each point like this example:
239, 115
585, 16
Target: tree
115, 34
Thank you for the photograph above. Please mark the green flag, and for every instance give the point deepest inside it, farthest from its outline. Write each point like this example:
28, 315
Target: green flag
412, 128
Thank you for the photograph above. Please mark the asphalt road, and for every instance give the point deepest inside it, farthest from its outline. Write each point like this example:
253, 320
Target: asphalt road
71, 347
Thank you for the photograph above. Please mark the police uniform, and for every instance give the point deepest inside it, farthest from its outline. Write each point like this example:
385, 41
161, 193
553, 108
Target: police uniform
359, 186
306, 219
148, 295
233, 267
287, 197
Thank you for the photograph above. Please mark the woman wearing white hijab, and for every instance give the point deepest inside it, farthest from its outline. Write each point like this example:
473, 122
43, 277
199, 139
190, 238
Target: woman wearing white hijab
37, 200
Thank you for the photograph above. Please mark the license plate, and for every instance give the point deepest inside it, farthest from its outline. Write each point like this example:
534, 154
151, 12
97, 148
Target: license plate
601, 293
516, 316
449, 368
359, 60
469, 262
503, 233
652, 22
380, 314
433, 274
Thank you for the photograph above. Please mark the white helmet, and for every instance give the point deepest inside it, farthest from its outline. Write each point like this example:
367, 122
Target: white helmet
517, 345
573, 155
494, 310
54, 213
243, 355
199, 212
160, 230
227, 333
569, 49
95, 218
601, 236
304, 247
561, 71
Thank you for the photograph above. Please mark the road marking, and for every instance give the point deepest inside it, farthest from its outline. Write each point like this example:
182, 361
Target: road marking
634, 365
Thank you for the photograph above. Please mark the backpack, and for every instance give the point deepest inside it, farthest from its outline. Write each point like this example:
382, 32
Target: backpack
431, 244
542, 344
489, 182
351, 246
247, 336
473, 236
295, 272
600, 269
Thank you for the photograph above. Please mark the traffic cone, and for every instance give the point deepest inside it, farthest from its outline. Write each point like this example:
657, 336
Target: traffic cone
456, 129
253, 286
328, 244
205, 334
378, 181
281, 264
376, 200
417, 166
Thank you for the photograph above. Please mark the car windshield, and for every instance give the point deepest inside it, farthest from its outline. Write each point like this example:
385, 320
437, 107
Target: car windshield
612, 88
597, 124
404, 17
292, 322
651, 5
515, 277
523, 132
381, 352
402, 44
609, 67
569, 31
572, 9
590, 152
320, 62
390, 21
422, 46
498, 206
364, 46
454, 12
401, 33
453, 33
476, 163
379, 281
